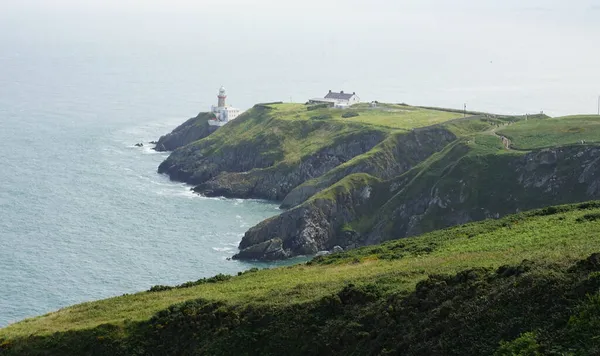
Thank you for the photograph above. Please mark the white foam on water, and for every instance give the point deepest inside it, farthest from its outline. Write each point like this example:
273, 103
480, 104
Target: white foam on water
175, 193
148, 149
223, 249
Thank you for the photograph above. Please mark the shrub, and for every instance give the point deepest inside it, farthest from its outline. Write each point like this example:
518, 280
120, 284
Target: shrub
589, 217
216, 279
348, 114
524, 345
321, 117
159, 288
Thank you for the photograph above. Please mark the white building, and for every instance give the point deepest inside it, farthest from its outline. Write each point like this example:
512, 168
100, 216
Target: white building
338, 100
223, 113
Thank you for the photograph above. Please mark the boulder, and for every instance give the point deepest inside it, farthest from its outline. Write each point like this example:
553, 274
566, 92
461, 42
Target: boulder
269, 250
337, 249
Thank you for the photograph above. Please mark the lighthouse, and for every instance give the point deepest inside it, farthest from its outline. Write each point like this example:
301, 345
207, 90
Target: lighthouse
222, 96
223, 113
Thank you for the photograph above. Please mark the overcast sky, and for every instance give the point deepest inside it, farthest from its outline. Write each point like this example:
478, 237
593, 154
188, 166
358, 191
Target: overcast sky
281, 7
425, 43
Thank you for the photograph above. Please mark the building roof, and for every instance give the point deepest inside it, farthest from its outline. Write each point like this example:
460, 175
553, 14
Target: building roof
339, 96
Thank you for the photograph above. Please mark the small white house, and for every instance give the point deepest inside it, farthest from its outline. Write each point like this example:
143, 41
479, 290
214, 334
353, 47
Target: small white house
338, 100
223, 113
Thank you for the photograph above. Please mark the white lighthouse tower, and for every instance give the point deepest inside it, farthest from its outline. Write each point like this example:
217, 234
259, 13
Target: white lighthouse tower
222, 96
223, 113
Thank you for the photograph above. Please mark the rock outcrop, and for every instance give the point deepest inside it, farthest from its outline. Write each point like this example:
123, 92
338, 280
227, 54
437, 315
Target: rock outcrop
192, 130
274, 183
260, 156
454, 189
477, 188
392, 157
315, 225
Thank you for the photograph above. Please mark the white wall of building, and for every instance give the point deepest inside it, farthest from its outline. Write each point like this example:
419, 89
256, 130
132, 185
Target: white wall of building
354, 100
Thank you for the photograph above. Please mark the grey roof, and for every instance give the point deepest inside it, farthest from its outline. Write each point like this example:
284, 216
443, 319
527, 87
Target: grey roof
339, 96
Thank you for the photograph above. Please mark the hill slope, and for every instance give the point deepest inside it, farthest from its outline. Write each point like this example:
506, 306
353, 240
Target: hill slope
529, 281
472, 178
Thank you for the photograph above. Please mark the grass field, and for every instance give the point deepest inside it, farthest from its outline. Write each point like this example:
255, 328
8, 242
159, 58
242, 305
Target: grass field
560, 235
385, 115
552, 132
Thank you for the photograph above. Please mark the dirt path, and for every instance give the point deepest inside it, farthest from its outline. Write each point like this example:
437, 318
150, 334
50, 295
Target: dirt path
506, 143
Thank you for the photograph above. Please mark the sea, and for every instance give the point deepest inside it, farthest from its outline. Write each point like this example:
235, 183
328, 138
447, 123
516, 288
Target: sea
84, 214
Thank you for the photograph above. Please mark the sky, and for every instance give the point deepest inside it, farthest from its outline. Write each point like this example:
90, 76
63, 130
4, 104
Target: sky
404, 47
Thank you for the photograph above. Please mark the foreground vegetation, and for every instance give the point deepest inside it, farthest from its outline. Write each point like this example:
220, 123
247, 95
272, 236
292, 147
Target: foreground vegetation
526, 283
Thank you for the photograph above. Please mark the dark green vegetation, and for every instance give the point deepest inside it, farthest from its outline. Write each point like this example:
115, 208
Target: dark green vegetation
192, 130
526, 284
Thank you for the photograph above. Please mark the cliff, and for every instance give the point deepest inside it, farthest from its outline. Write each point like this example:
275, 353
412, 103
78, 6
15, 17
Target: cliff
384, 173
472, 178
192, 130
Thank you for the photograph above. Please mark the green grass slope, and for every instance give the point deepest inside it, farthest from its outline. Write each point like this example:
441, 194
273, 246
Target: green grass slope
525, 282
553, 132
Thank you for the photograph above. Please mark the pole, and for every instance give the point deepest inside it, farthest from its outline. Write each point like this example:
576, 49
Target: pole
599, 105
465, 112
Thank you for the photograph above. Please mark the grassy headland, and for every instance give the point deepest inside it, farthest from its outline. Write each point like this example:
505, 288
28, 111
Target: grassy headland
553, 132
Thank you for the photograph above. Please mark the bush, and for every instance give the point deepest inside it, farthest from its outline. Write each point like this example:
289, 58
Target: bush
524, 345
321, 117
159, 288
348, 114
589, 217
216, 279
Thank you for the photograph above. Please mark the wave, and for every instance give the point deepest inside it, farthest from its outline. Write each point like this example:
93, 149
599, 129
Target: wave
223, 249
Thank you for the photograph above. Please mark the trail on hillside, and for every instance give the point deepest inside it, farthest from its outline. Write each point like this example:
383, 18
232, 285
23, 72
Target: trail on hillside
506, 143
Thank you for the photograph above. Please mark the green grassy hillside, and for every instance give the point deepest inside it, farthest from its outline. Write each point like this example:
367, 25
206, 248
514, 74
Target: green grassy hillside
390, 116
452, 291
553, 132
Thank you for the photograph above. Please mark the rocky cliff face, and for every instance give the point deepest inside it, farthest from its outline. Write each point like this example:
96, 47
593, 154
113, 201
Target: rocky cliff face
454, 189
310, 227
192, 130
476, 188
274, 183
197, 163
316, 224
392, 157
261, 156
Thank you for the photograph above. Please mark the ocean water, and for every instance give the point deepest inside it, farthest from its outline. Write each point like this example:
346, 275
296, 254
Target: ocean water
83, 213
